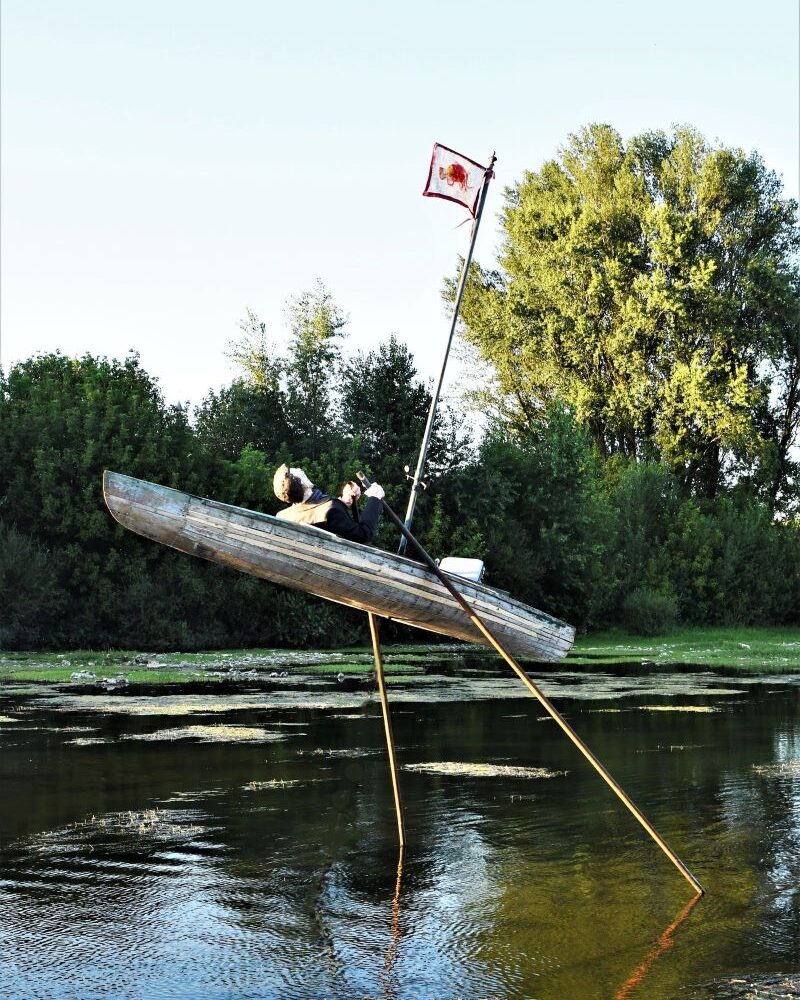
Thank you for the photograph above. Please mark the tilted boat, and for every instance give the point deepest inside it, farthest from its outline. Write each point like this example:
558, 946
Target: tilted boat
315, 561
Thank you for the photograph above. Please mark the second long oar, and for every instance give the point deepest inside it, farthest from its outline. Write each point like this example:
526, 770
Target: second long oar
551, 710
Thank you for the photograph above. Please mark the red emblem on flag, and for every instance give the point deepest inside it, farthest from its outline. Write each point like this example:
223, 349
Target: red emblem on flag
454, 174
454, 177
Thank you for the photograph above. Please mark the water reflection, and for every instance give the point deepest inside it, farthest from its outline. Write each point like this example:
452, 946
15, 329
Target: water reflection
665, 941
140, 869
391, 952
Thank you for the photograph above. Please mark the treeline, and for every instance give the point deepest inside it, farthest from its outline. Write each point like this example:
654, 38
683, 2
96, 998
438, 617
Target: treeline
70, 576
637, 459
596, 542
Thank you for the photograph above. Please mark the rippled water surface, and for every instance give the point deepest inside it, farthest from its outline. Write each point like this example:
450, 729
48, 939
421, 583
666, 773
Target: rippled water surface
221, 846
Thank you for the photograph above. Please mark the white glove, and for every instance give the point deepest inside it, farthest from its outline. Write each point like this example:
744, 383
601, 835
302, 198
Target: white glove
375, 491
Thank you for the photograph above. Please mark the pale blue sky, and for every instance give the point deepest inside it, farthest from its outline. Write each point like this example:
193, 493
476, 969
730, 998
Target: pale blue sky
165, 165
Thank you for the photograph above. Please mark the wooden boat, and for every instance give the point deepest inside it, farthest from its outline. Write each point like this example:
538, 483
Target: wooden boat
313, 560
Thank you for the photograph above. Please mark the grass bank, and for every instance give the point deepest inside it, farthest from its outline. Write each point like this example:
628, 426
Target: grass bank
236, 666
743, 650
740, 650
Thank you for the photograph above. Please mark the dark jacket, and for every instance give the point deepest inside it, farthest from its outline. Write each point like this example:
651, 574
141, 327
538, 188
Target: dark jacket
331, 514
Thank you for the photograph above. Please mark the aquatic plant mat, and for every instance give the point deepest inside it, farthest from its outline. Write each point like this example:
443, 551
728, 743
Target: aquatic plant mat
678, 708
473, 770
213, 734
740, 650
158, 824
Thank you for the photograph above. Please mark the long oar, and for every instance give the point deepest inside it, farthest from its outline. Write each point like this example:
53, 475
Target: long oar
551, 710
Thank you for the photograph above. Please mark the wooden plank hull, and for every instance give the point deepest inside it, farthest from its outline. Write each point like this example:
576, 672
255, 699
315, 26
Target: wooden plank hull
317, 562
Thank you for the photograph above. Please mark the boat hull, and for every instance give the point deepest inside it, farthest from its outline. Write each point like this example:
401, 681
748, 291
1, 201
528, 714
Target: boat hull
315, 561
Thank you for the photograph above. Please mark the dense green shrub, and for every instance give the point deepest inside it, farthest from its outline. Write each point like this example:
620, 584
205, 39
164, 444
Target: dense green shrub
649, 612
595, 542
32, 600
534, 509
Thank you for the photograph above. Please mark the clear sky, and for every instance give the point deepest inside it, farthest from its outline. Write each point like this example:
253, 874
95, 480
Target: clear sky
166, 165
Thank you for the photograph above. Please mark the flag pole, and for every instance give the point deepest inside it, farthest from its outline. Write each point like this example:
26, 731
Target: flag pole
416, 482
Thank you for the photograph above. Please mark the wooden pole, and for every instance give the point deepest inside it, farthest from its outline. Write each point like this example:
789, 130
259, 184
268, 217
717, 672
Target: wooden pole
551, 710
387, 725
462, 281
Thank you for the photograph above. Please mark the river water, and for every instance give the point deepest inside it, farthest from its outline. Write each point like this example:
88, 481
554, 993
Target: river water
243, 844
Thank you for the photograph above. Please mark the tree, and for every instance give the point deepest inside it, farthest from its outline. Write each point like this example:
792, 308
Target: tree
780, 471
62, 421
649, 287
384, 403
243, 414
255, 355
31, 596
536, 512
317, 326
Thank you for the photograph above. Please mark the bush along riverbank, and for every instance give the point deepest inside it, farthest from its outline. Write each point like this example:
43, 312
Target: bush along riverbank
598, 540
759, 651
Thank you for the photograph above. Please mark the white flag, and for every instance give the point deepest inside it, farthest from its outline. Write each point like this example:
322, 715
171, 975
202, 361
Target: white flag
454, 177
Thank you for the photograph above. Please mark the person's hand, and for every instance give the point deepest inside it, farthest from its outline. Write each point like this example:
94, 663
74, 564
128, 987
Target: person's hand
375, 491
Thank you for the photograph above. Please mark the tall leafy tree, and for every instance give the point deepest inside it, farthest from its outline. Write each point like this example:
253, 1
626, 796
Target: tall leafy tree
254, 354
649, 286
779, 473
317, 326
31, 595
251, 411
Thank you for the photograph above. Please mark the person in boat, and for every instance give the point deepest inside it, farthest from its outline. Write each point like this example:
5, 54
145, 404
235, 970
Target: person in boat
310, 505
349, 493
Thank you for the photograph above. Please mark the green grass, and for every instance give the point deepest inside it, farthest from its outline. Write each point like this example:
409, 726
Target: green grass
332, 669
78, 658
238, 666
62, 675
743, 650
746, 650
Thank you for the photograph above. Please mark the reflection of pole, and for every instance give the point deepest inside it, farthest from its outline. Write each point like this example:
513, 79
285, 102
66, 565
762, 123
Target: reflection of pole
462, 281
664, 941
387, 724
544, 701
396, 901
391, 952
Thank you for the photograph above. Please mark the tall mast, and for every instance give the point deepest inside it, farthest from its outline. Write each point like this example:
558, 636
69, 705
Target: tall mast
416, 482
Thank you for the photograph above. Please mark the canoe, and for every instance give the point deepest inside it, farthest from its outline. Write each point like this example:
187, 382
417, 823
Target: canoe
310, 559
